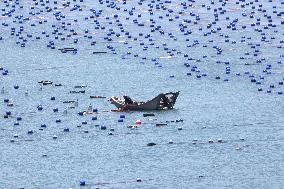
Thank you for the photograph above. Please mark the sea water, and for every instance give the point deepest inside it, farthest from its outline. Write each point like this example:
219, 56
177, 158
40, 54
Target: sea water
226, 131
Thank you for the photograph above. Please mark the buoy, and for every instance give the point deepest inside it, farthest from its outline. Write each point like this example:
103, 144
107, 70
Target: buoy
138, 122
210, 141
151, 144
30, 131
139, 180
66, 130
103, 127
54, 137
82, 183
179, 128
39, 107
16, 135
171, 142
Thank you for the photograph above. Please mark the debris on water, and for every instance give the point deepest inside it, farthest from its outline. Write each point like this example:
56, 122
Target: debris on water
161, 124
68, 101
132, 126
83, 91
68, 49
98, 97
99, 52
46, 82
80, 86
148, 114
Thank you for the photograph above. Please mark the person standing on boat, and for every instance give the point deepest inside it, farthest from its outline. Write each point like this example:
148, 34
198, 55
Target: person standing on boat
127, 100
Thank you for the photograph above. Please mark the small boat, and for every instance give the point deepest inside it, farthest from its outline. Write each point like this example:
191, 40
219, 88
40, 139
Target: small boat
163, 101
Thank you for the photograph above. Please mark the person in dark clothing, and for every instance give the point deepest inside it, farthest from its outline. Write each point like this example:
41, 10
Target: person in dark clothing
165, 101
127, 100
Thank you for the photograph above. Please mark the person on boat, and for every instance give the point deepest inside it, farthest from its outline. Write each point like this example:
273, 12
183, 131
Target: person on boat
127, 100
165, 102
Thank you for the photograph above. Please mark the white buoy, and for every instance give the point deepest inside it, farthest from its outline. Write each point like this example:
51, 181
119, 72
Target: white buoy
171, 142
26, 93
16, 136
54, 137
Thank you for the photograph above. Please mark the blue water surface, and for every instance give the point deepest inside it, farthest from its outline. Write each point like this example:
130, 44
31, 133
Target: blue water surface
226, 58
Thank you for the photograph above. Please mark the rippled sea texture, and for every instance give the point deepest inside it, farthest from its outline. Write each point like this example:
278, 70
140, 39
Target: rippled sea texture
226, 58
